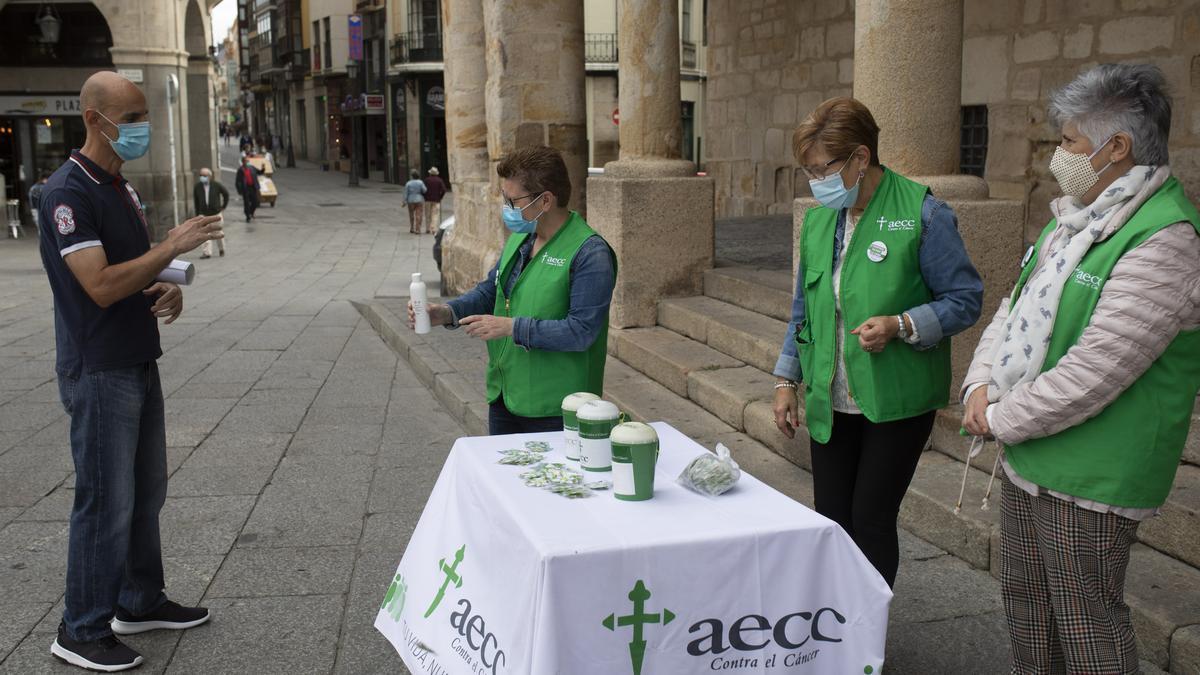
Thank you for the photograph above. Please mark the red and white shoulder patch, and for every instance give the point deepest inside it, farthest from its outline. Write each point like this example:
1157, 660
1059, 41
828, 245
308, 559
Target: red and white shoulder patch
64, 219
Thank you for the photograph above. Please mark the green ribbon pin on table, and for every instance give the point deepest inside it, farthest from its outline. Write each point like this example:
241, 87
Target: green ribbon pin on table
634, 456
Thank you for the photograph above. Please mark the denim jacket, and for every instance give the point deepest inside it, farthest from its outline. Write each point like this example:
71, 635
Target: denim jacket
948, 273
592, 279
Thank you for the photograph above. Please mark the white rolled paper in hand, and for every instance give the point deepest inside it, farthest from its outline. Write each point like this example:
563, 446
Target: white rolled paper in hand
180, 272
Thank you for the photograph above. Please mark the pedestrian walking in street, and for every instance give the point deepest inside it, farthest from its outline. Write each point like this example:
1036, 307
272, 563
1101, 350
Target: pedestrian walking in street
246, 184
96, 250
435, 190
1088, 374
543, 309
884, 281
414, 196
210, 199
35, 196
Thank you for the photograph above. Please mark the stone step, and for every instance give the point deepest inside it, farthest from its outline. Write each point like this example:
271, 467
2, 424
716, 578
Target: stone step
738, 332
1191, 449
1173, 532
767, 292
666, 356
1163, 595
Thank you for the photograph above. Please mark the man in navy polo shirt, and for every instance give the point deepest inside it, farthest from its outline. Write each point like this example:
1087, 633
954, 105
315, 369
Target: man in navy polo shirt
96, 249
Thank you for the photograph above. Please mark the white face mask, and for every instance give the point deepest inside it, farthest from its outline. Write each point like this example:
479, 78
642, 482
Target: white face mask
1074, 171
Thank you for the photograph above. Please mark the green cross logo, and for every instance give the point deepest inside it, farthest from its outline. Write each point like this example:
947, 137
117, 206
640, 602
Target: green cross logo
451, 572
393, 602
638, 619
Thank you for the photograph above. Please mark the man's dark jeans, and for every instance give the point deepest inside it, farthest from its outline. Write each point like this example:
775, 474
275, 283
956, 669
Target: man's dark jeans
119, 444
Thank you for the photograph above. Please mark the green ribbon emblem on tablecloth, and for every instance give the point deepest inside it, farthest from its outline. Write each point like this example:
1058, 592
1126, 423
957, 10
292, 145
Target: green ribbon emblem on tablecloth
452, 576
638, 619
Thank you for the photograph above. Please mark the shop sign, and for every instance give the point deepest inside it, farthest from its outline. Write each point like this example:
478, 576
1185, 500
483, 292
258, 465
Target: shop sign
373, 102
356, 37
40, 104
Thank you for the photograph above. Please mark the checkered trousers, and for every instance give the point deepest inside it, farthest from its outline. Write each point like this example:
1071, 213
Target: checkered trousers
1062, 575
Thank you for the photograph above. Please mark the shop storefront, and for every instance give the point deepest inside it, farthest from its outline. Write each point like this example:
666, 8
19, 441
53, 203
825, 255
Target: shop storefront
37, 134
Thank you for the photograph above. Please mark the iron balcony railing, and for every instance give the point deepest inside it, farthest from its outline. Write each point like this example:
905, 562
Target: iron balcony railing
600, 48
416, 47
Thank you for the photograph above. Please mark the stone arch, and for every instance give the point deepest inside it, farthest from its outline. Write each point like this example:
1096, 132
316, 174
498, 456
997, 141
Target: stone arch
85, 37
197, 92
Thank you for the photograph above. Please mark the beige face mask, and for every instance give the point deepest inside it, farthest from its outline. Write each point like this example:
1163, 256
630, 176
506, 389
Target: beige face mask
1074, 171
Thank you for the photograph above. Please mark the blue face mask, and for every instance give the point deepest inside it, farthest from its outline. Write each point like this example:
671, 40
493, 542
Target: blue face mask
133, 139
832, 192
514, 218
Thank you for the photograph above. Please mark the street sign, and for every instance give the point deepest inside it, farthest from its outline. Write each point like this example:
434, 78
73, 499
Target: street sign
134, 75
356, 37
616, 116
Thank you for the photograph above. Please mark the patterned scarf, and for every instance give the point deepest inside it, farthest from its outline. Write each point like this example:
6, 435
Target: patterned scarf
1025, 338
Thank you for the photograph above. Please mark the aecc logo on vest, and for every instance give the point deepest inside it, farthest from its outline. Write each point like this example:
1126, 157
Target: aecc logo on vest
906, 225
1086, 280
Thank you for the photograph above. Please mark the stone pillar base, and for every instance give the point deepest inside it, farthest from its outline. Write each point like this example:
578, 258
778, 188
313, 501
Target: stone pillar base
472, 248
993, 231
662, 232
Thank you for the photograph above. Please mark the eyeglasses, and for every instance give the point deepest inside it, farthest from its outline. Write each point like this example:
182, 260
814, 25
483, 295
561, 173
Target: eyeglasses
823, 172
511, 205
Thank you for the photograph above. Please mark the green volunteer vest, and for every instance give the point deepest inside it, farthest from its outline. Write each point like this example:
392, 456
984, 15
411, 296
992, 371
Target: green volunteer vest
1128, 454
535, 381
898, 382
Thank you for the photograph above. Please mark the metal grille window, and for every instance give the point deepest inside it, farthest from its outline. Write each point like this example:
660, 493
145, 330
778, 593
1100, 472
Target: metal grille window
600, 48
973, 148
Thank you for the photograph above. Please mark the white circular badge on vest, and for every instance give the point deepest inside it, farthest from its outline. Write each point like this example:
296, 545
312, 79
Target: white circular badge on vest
877, 251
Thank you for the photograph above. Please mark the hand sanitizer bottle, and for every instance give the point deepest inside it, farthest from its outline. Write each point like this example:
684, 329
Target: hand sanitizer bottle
416, 291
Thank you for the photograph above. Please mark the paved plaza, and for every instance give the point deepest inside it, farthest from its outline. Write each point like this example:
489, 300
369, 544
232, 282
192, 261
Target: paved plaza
301, 453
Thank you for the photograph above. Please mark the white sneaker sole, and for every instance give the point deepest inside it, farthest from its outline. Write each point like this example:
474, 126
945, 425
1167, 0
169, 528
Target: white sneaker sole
77, 660
134, 627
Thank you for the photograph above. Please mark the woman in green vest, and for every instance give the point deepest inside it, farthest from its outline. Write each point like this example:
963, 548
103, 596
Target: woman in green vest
1088, 374
543, 309
884, 281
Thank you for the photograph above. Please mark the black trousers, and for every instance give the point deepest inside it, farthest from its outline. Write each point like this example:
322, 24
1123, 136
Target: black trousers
860, 477
501, 421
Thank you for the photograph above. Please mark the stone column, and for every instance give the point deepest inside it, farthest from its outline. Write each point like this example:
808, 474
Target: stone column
514, 78
535, 85
651, 127
465, 75
649, 205
151, 174
472, 247
908, 71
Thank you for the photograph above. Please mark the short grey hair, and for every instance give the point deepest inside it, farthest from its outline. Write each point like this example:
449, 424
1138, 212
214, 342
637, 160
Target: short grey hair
1112, 98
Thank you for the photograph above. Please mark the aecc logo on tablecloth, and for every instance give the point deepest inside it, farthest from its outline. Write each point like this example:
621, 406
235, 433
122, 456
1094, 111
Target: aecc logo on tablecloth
798, 633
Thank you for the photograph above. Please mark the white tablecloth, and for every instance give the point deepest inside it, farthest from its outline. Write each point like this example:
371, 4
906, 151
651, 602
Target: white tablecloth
748, 582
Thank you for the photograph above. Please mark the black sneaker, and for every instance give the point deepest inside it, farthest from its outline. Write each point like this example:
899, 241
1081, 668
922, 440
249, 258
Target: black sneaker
170, 615
108, 654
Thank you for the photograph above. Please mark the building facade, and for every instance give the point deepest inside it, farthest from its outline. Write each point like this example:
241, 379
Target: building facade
773, 61
161, 45
390, 116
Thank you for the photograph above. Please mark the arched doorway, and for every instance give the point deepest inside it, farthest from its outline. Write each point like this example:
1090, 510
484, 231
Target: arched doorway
40, 120
201, 114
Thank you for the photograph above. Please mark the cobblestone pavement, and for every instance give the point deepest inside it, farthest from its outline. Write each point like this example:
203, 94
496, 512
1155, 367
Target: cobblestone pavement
301, 452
